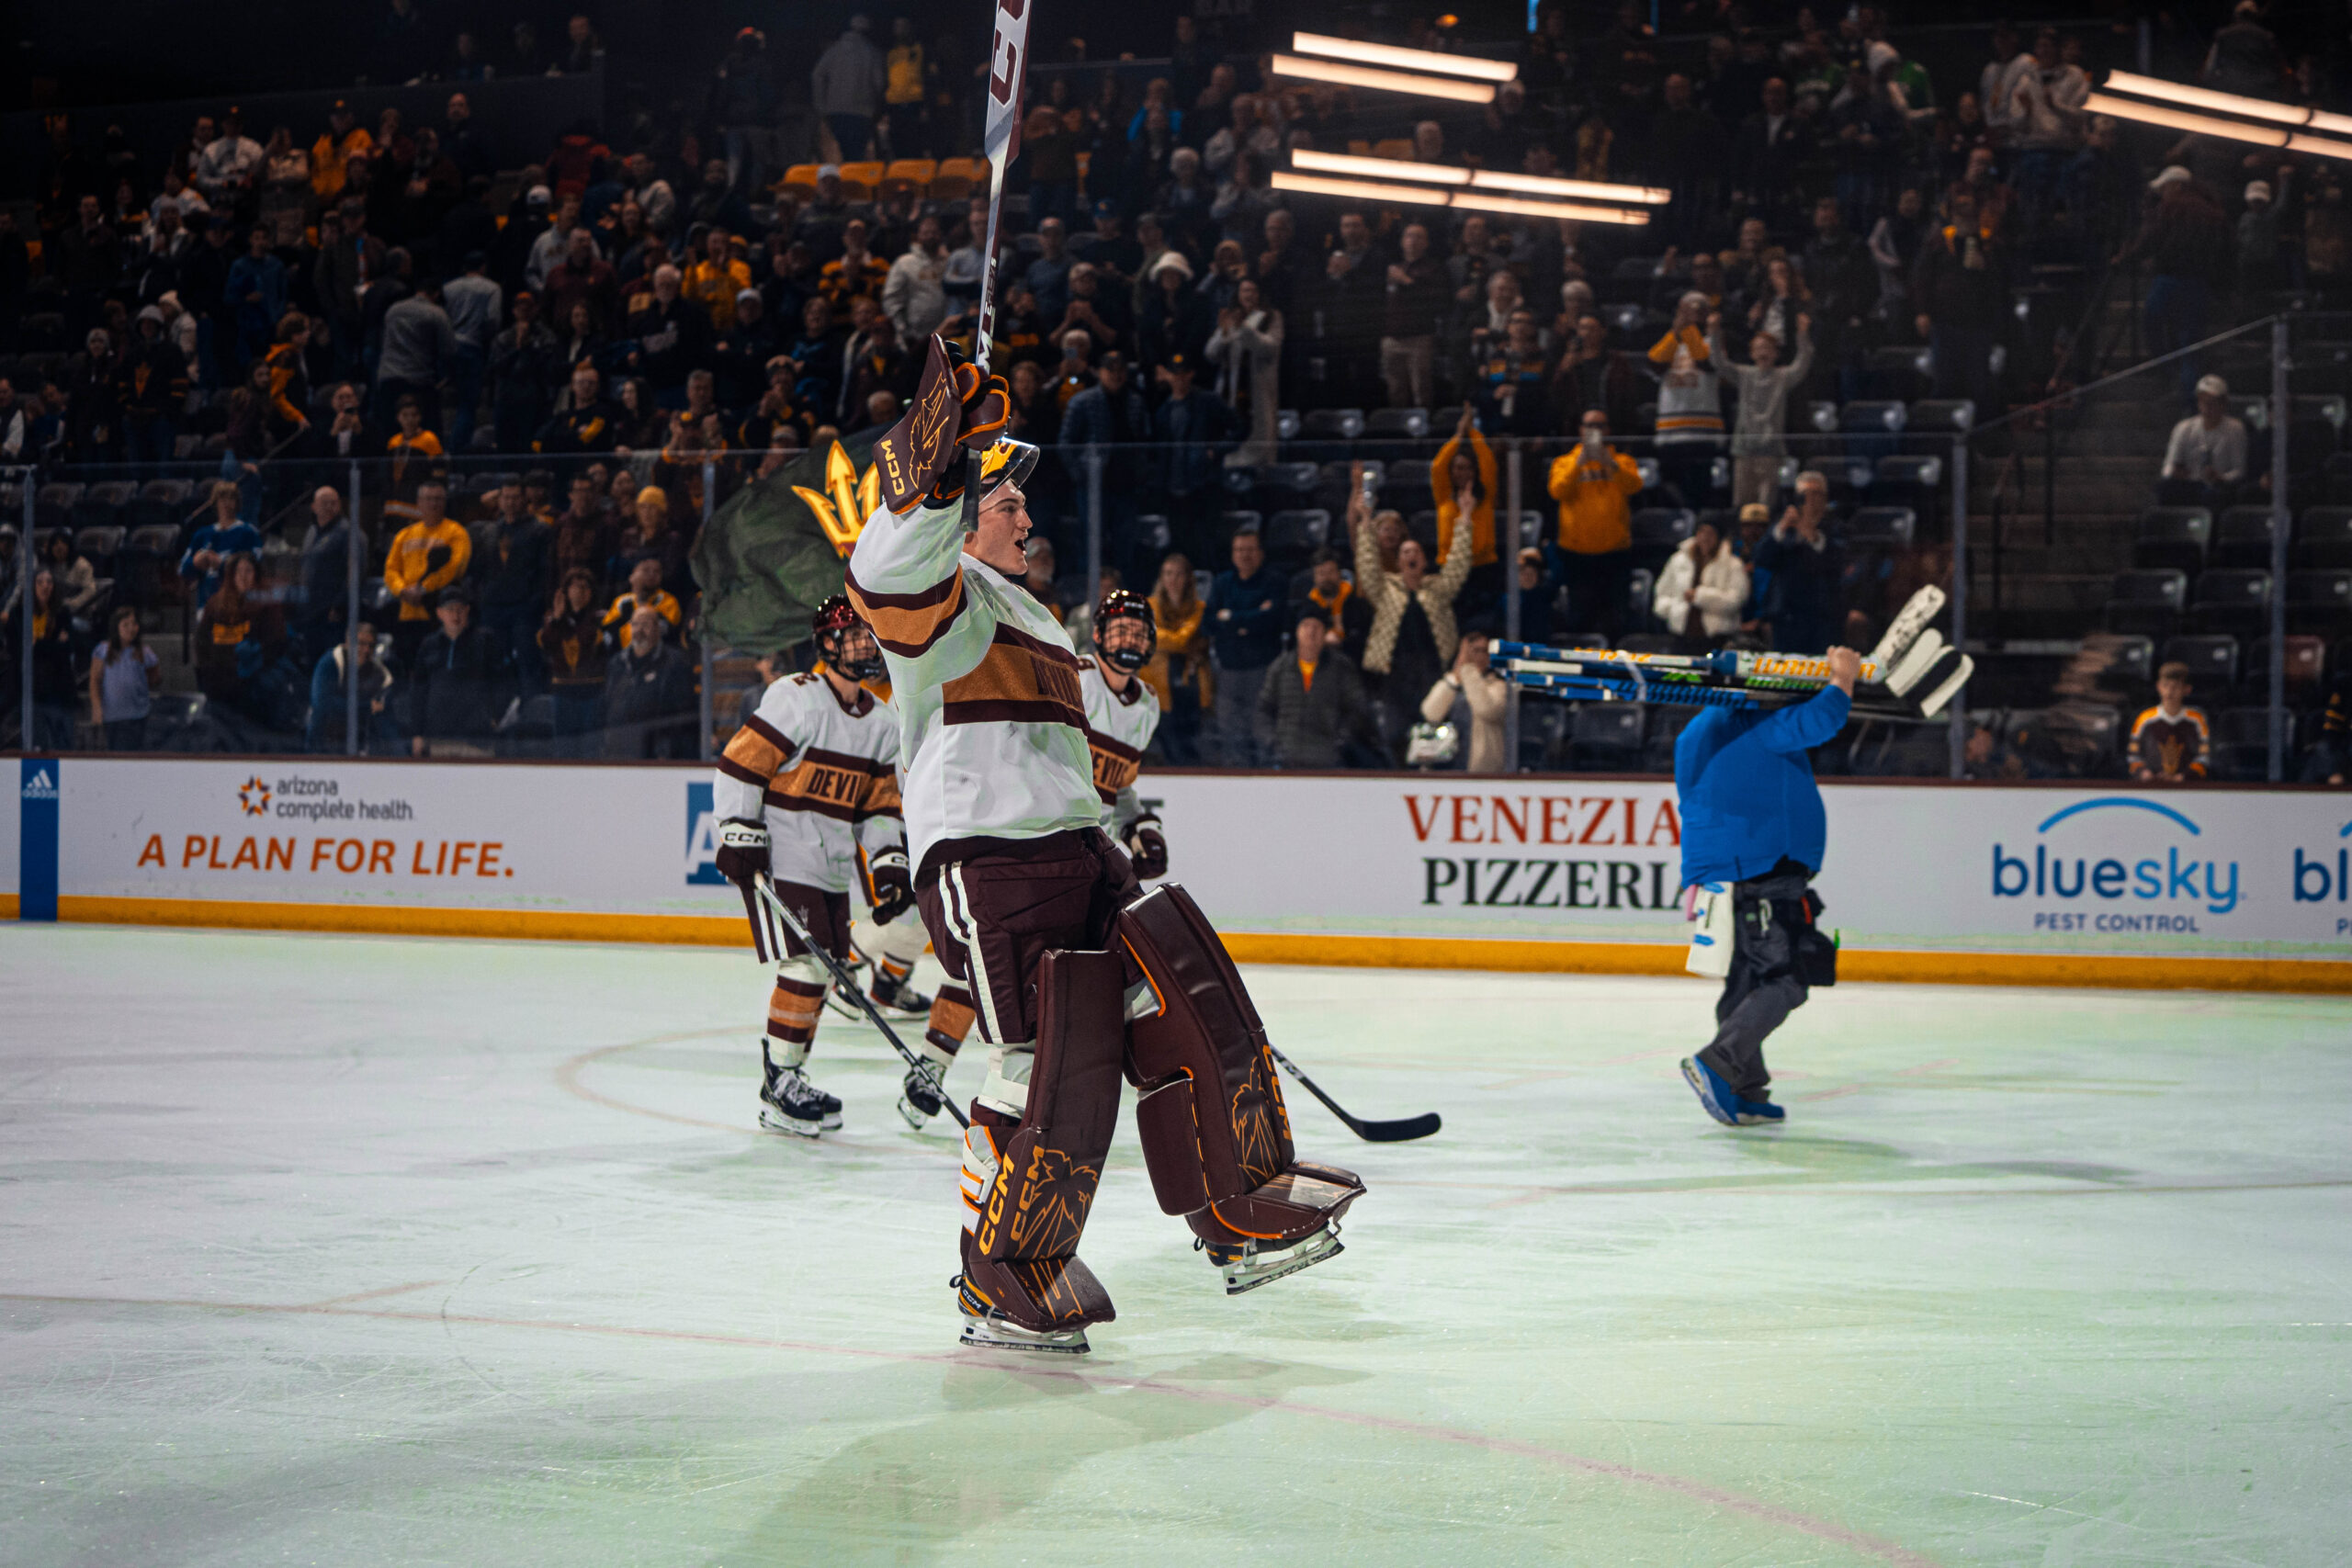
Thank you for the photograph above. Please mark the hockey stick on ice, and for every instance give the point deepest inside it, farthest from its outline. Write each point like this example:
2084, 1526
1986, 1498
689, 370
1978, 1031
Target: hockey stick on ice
841, 978
1401, 1132
1001, 140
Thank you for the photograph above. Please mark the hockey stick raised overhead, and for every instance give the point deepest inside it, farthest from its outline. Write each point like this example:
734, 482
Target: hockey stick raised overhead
1001, 140
842, 979
1402, 1132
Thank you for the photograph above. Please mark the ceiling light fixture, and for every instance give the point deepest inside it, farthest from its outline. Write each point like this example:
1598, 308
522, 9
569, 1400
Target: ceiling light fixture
1301, 69
1465, 200
1468, 65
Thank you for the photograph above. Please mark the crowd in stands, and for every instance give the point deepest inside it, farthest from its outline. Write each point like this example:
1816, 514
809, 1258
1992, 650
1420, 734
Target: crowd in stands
618, 317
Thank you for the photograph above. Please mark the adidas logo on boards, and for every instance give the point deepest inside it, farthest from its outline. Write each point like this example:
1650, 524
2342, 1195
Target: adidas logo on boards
42, 785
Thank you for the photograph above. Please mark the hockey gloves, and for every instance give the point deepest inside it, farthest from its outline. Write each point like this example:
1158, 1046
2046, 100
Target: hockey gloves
894, 894
1148, 848
742, 851
956, 411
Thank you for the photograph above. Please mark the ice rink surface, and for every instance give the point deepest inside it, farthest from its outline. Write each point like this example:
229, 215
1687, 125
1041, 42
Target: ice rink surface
371, 1251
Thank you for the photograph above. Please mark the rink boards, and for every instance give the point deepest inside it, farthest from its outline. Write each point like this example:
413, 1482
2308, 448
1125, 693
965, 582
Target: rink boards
2203, 887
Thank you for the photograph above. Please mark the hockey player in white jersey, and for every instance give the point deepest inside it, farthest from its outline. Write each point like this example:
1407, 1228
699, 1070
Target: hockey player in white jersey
1076, 974
808, 784
1121, 714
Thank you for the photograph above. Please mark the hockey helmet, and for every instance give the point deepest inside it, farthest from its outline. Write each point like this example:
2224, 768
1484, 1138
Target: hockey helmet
1123, 605
834, 620
1006, 462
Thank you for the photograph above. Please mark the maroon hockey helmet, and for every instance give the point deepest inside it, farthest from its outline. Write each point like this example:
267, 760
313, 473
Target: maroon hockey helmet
1126, 604
834, 620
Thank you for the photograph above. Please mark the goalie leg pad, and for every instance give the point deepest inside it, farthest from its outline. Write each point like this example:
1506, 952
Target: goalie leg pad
1021, 1251
1215, 1134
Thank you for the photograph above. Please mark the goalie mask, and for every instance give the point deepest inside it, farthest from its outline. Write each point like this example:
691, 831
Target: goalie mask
1006, 462
846, 642
1125, 605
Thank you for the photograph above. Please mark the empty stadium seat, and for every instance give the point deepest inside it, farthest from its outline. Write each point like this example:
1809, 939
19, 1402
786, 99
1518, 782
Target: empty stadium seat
910, 174
1286, 423
1641, 589
2306, 661
859, 180
2231, 600
2324, 536
799, 180
2131, 660
2319, 601
1882, 527
1942, 415
957, 178
2212, 660
2243, 536
1658, 531
1393, 147
53, 503
1291, 537
1872, 416
2175, 536
2241, 743
1333, 424
1899, 372
2148, 604
106, 503
1410, 425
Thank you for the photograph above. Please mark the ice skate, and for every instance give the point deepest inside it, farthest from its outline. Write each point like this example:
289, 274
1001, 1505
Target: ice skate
986, 1328
790, 1103
1254, 1263
842, 1000
894, 995
922, 1100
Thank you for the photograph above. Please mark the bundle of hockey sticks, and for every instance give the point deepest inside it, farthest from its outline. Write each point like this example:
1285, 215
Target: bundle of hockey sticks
1912, 674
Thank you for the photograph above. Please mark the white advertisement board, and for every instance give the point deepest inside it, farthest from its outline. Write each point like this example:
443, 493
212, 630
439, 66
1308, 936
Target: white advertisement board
1423, 860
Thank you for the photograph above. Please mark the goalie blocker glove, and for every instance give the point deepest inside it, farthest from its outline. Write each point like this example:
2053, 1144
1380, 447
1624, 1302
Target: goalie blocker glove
958, 411
743, 851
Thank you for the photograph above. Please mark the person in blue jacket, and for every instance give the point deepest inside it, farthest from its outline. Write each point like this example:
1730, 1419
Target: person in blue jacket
1752, 817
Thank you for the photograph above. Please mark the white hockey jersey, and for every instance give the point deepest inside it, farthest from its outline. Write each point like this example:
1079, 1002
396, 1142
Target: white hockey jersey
823, 774
993, 722
1119, 725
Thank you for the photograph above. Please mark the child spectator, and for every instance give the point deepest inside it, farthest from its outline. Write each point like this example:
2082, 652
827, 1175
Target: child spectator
123, 684
2171, 741
1763, 387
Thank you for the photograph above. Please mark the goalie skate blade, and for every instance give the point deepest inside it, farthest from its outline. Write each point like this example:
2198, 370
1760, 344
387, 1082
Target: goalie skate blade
996, 1333
1255, 1267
